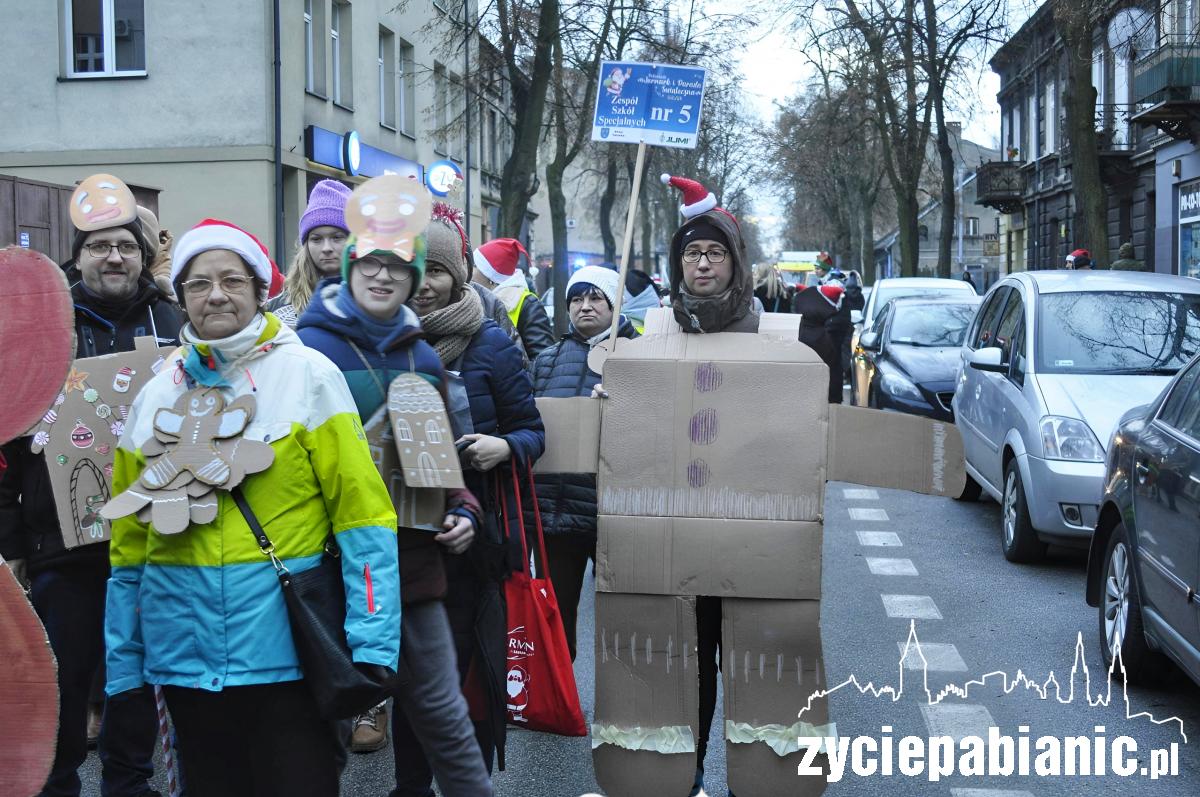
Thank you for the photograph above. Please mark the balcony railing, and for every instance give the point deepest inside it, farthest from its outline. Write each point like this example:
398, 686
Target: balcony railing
1000, 185
1169, 74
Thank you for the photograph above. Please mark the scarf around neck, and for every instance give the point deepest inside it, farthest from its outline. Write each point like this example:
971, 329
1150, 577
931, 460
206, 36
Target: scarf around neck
710, 313
450, 329
380, 333
207, 361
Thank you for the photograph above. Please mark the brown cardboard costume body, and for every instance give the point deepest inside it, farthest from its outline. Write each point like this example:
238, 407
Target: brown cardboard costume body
701, 495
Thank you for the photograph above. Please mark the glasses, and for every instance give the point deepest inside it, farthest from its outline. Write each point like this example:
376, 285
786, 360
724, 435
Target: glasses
233, 283
102, 248
715, 256
370, 267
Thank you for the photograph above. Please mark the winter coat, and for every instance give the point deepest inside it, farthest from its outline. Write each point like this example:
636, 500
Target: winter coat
840, 325
28, 520
816, 312
567, 501
326, 327
500, 393
203, 609
1128, 264
537, 333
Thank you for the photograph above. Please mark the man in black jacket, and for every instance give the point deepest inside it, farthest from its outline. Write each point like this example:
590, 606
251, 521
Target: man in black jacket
840, 326
116, 301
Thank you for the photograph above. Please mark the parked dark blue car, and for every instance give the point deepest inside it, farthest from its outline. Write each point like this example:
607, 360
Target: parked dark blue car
910, 355
1144, 561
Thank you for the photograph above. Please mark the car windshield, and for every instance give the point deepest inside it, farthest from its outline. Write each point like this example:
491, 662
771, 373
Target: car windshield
1117, 333
889, 292
931, 324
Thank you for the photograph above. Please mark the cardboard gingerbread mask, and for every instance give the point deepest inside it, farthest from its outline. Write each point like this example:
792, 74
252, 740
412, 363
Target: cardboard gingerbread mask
388, 213
102, 201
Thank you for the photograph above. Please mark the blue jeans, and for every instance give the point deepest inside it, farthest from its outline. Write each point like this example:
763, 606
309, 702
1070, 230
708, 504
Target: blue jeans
70, 602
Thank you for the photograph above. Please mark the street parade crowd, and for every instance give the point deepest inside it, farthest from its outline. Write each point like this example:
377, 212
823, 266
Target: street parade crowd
199, 615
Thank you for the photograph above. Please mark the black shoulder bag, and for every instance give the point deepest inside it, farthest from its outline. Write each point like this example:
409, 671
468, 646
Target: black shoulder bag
316, 607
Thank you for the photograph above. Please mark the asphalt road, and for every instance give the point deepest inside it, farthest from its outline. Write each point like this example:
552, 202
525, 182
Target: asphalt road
973, 614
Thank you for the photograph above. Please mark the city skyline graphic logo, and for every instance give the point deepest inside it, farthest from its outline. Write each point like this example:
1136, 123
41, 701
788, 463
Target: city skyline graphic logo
1050, 685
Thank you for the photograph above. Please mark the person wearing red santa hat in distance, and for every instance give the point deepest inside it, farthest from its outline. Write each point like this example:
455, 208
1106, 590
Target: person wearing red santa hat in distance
1080, 259
817, 305
496, 268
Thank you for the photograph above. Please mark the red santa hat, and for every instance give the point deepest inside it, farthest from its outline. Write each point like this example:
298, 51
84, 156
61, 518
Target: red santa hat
498, 259
696, 198
832, 292
212, 234
1080, 255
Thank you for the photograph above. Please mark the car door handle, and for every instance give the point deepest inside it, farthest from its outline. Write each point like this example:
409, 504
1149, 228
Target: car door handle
1142, 470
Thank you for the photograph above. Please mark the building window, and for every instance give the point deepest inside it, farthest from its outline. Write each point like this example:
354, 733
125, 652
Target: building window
456, 120
314, 47
341, 53
1051, 116
387, 78
107, 38
493, 133
408, 87
972, 227
1035, 147
440, 97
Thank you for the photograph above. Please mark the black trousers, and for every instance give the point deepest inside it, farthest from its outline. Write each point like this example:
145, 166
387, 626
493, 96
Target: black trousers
254, 741
70, 602
569, 555
708, 643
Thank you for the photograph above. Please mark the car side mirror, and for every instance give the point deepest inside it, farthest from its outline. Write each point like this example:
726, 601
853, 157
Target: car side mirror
869, 341
856, 316
989, 359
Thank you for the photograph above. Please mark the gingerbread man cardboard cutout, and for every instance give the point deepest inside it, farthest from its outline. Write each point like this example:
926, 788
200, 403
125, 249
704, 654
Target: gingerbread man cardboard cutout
700, 496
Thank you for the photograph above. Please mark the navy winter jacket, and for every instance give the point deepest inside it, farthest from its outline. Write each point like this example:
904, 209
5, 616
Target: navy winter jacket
567, 501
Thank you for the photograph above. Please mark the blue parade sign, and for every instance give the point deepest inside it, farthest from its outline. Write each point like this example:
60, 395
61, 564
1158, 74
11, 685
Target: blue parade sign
643, 103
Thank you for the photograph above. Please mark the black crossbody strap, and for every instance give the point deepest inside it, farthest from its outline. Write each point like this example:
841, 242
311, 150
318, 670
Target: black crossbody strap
260, 534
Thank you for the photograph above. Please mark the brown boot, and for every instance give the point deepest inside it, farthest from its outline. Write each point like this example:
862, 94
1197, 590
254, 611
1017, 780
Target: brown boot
370, 730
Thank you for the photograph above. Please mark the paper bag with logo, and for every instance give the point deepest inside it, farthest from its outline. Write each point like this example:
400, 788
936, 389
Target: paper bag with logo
541, 680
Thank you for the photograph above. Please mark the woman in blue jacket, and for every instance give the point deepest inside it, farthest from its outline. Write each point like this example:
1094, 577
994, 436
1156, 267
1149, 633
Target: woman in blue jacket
487, 375
364, 327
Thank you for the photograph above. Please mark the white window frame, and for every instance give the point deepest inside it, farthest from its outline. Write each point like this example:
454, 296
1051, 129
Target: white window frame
441, 138
1051, 116
109, 51
387, 78
309, 49
1035, 140
335, 49
406, 80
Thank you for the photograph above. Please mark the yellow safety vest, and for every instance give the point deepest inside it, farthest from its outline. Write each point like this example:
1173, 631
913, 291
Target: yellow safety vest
515, 313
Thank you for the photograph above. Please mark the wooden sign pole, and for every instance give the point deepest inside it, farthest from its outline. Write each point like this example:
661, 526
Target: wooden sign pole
627, 249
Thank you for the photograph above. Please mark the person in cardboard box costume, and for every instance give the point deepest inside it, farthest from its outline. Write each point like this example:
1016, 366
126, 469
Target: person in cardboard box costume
201, 612
116, 300
364, 326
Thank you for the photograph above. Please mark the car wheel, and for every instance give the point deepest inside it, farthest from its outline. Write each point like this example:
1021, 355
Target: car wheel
971, 490
1019, 541
1121, 614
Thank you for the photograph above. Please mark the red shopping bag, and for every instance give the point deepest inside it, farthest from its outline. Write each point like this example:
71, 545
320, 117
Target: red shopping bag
541, 681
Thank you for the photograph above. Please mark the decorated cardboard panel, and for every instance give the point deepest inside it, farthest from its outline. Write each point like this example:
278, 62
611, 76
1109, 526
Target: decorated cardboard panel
37, 337
771, 663
421, 434
894, 450
416, 507
647, 707
707, 556
28, 693
572, 435
79, 435
719, 426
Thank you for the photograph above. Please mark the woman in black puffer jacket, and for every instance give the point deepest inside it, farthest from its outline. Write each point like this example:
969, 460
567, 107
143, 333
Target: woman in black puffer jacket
567, 501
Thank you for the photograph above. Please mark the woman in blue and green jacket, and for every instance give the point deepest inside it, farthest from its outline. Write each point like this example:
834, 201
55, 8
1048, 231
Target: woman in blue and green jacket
364, 327
201, 612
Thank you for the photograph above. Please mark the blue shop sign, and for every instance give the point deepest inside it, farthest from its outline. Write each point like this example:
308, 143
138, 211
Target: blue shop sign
349, 154
652, 103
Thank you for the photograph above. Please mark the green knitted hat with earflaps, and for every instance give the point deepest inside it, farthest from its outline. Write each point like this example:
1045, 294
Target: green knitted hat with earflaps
350, 253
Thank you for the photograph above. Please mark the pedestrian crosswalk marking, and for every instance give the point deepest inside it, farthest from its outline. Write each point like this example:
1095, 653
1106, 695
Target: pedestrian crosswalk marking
865, 513
860, 494
884, 566
989, 793
882, 539
911, 607
939, 657
957, 720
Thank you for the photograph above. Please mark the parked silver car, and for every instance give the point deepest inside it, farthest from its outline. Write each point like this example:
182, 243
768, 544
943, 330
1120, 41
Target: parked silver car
1050, 363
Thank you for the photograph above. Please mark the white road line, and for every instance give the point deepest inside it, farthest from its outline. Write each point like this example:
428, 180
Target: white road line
957, 720
939, 656
884, 566
859, 494
882, 539
911, 607
863, 513
989, 793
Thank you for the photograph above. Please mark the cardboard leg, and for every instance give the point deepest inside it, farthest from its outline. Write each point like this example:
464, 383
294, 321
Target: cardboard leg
647, 713
771, 663
28, 693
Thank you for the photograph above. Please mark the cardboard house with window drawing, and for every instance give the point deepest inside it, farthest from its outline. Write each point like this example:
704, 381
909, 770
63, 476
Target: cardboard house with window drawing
712, 457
